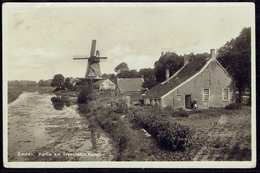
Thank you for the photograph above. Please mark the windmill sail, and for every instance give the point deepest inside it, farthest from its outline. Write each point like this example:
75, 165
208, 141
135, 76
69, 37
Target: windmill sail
93, 48
93, 67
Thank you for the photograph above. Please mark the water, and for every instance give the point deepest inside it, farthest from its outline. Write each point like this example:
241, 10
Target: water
39, 132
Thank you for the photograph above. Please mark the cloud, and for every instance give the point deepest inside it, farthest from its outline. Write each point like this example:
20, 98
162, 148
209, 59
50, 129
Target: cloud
23, 58
118, 51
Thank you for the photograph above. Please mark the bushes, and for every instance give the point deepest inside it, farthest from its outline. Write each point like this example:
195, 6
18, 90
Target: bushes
85, 94
170, 135
180, 113
233, 106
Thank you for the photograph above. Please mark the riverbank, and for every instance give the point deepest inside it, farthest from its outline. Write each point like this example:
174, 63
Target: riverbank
15, 91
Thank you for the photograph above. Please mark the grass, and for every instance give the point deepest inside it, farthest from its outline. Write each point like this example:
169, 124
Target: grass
218, 134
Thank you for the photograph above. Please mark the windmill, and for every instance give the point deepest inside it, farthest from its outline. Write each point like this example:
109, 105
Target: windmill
93, 67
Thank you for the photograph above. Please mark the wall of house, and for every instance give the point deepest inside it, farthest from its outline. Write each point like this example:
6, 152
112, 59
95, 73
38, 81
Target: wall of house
213, 78
107, 85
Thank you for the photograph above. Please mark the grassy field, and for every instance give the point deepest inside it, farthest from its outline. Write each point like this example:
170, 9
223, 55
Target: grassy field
15, 91
218, 134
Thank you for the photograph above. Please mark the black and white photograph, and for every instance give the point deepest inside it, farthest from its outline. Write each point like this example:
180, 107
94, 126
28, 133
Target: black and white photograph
129, 85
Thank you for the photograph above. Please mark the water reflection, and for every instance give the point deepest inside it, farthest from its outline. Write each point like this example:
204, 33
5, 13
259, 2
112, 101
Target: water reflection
59, 103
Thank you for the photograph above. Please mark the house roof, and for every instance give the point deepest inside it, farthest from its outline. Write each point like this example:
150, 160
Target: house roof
130, 84
179, 77
101, 81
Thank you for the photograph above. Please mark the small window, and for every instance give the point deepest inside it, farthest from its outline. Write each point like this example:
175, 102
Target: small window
225, 94
205, 94
178, 97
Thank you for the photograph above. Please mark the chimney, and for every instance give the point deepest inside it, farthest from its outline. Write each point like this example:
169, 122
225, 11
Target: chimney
162, 54
212, 54
167, 74
186, 59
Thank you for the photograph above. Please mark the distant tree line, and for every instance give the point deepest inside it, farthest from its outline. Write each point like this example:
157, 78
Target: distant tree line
22, 83
45, 82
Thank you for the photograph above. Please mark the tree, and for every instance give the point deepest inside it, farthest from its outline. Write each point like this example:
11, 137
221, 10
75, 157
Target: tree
149, 77
169, 60
128, 74
110, 76
44, 82
85, 94
235, 56
58, 81
67, 83
121, 67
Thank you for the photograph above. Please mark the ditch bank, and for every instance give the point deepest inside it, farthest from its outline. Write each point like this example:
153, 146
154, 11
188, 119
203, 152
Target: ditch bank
126, 125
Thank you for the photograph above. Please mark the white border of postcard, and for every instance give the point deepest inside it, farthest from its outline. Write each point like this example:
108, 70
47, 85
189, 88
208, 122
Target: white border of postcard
191, 164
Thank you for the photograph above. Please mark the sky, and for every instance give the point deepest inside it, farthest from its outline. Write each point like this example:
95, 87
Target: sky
41, 39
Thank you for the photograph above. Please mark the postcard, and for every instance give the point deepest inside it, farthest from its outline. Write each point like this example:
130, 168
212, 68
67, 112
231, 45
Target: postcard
129, 85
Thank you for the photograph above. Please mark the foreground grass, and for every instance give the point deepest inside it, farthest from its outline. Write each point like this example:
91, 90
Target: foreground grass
218, 134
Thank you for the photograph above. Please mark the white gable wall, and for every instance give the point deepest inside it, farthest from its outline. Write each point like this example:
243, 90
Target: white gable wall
107, 85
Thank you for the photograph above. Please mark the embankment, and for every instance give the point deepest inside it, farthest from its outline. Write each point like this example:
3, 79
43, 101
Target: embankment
15, 91
13, 94
127, 130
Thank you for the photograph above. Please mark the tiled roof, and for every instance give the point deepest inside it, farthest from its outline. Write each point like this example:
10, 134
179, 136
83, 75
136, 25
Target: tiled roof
188, 71
130, 84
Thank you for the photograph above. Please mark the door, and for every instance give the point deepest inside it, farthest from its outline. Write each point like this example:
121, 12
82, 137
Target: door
188, 101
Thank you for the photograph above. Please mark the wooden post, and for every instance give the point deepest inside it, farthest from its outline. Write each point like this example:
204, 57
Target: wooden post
93, 139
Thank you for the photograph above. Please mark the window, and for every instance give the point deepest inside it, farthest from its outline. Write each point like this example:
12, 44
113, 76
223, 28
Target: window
225, 94
205, 94
178, 97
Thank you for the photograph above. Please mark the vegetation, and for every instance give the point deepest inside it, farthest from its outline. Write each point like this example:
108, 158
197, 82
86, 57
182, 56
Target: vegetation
58, 81
22, 83
44, 82
170, 135
233, 106
85, 94
169, 60
149, 77
121, 67
15, 91
235, 56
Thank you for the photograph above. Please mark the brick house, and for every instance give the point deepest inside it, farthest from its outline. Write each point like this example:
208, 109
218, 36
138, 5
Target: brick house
203, 80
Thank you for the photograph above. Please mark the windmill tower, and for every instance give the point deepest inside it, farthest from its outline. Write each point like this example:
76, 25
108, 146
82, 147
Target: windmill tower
93, 68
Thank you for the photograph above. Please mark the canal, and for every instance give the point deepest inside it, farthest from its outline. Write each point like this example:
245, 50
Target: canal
38, 130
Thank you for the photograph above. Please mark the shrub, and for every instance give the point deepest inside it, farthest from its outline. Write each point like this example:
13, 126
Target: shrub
170, 135
82, 98
181, 113
86, 94
233, 106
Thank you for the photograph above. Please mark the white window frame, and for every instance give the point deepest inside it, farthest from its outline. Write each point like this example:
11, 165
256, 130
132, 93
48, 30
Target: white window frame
203, 99
227, 93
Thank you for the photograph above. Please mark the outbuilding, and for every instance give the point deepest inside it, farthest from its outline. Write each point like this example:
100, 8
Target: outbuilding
104, 85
